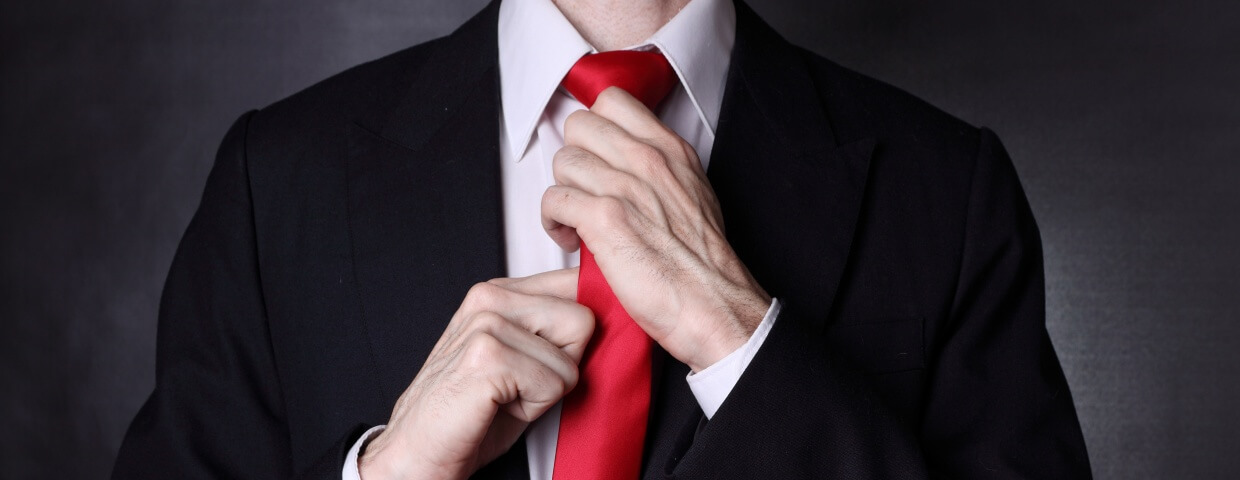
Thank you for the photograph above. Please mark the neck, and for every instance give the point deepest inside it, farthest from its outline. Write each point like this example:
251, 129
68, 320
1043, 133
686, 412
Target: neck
615, 24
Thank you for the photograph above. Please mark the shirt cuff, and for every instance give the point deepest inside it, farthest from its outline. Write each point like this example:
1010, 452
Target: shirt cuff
350, 470
712, 385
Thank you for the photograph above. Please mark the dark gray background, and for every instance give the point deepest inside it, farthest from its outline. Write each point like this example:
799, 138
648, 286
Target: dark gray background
1123, 118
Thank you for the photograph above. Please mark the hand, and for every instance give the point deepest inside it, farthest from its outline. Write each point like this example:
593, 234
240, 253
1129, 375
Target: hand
636, 193
508, 355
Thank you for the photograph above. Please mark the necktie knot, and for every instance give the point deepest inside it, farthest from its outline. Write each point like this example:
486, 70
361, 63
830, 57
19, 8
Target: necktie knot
645, 75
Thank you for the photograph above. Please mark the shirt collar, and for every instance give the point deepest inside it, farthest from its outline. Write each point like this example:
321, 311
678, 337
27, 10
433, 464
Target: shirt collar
537, 47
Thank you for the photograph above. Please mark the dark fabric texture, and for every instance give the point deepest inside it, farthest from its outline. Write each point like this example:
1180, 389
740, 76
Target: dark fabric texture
341, 227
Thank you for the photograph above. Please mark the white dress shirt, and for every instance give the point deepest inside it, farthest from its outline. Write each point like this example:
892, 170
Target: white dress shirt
537, 47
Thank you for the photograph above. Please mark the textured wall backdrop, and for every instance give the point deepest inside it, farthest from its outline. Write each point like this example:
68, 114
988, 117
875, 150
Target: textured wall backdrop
1123, 118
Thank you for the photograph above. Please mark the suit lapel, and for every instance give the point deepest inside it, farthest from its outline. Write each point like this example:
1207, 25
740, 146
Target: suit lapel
424, 202
790, 196
790, 193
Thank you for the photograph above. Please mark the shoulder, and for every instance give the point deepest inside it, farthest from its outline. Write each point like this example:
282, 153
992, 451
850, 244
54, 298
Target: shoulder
301, 139
293, 153
927, 159
363, 94
861, 106
921, 150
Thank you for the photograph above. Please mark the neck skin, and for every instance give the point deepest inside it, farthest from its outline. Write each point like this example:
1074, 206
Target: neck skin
615, 24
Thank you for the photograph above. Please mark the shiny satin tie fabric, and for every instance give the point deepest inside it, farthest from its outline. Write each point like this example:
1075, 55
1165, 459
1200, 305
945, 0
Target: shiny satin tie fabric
603, 421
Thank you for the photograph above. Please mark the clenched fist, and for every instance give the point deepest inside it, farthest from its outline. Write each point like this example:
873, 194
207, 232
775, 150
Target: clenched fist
637, 194
507, 356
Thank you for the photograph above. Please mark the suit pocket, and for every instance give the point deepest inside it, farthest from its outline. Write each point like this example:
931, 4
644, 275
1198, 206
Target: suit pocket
884, 346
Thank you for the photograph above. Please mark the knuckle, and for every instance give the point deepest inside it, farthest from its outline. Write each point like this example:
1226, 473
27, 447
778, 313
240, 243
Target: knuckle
573, 123
607, 97
577, 331
482, 351
481, 296
577, 116
561, 158
554, 196
687, 150
502, 282
647, 159
585, 318
488, 322
557, 384
570, 381
610, 130
567, 157
612, 212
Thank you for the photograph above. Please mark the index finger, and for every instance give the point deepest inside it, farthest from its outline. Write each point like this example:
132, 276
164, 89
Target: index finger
555, 283
616, 109
629, 113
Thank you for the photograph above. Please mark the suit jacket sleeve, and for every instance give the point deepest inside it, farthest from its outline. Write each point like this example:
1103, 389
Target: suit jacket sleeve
996, 406
998, 403
216, 411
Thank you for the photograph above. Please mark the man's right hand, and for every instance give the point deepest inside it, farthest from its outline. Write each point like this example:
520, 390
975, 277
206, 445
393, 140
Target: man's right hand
508, 355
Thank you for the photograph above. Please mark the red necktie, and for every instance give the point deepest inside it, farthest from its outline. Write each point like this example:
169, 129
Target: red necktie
603, 421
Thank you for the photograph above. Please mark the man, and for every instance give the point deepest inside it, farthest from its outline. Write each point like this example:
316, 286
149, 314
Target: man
874, 310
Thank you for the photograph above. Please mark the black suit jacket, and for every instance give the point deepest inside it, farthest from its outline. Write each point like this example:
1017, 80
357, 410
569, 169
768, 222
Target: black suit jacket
341, 227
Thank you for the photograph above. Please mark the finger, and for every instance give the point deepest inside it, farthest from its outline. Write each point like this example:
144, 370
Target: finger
632, 116
556, 283
577, 167
523, 386
629, 113
610, 142
518, 338
538, 389
563, 234
563, 323
569, 209
571, 325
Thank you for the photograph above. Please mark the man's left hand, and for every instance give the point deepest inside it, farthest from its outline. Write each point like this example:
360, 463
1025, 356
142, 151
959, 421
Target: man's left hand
637, 194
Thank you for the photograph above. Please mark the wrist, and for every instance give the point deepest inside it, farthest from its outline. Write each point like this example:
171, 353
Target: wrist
384, 458
372, 463
729, 326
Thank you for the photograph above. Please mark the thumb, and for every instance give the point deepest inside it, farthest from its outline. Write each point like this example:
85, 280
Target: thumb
555, 283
